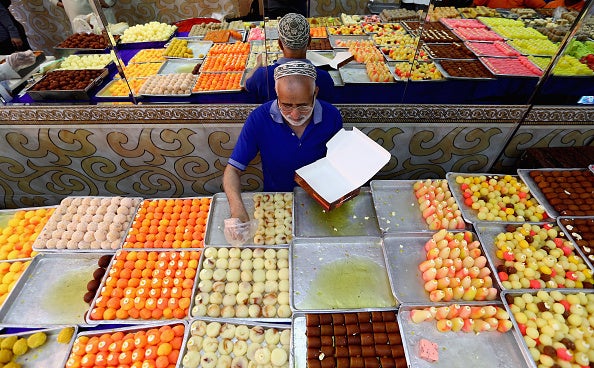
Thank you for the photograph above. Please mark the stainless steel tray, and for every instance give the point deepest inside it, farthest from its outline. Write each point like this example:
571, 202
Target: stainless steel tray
60, 213
49, 355
357, 73
133, 329
513, 293
468, 213
524, 174
323, 265
354, 218
449, 76
219, 211
249, 302
403, 255
396, 206
299, 338
176, 66
487, 232
7, 215
460, 349
572, 236
278, 326
74, 94
334, 38
131, 320
198, 48
50, 291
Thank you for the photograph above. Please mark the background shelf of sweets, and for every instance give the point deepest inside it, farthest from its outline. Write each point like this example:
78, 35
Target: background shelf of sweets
483, 42
479, 263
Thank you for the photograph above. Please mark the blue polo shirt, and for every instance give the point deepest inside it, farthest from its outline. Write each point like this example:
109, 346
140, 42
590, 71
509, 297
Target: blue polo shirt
262, 82
281, 151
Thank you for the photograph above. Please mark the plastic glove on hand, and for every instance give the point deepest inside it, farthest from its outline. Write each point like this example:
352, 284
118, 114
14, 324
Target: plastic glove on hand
238, 233
21, 60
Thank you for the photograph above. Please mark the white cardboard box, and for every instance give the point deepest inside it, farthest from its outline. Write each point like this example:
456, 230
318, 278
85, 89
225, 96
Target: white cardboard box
340, 58
352, 159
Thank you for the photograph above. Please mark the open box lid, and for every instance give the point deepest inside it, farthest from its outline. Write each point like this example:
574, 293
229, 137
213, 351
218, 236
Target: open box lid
352, 159
340, 59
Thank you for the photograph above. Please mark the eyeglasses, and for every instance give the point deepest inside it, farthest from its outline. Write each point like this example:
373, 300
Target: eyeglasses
303, 109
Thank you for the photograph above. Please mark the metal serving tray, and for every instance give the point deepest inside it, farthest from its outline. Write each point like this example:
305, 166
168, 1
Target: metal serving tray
75, 94
196, 290
219, 211
524, 174
61, 211
222, 321
468, 213
357, 73
178, 65
299, 337
512, 294
50, 291
396, 206
198, 48
133, 329
334, 38
354, 218
312, 259
572, 237
448, 76
51, 354
403, 255
487, 232
460, 349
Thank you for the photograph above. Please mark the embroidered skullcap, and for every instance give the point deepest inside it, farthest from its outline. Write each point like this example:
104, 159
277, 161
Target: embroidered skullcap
293, 31
295, 68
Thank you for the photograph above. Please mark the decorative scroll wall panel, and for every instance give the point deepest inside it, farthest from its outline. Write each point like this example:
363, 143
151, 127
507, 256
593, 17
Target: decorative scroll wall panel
530, 136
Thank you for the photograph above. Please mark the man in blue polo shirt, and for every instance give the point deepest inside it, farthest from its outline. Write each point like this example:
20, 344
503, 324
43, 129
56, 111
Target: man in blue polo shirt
289, 133
293, 39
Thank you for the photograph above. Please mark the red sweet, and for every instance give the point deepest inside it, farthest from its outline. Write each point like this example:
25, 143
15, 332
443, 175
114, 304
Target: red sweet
535, 284
428, 350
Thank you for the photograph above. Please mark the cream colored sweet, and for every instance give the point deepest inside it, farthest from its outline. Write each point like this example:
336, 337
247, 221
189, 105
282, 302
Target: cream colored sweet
274, 213
169, 84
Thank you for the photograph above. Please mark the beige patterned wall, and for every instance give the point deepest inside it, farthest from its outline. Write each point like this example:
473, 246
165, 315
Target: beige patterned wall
39, 165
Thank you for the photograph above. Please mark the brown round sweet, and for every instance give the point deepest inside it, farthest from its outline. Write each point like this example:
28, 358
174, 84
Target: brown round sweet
93, 285
565, 190
104, 260
88, 297
98, 274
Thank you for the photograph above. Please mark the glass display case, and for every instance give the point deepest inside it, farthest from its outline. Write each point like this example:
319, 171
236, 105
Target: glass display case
404, 53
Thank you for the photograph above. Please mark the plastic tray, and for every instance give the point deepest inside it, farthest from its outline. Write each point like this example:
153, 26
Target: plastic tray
313, 259
524, 174
487, 233
468, 213
219, 211
250, 324
396, 206
511, 294
460, 349
50, 291
403, 255
197, 291
51, 354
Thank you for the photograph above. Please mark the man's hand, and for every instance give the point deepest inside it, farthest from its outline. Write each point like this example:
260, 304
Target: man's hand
16, 42
237, 232
20, 60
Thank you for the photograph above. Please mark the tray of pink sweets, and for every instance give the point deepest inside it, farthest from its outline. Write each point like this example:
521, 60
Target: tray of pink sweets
476, 34
512, 67
462, 23
494, 49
